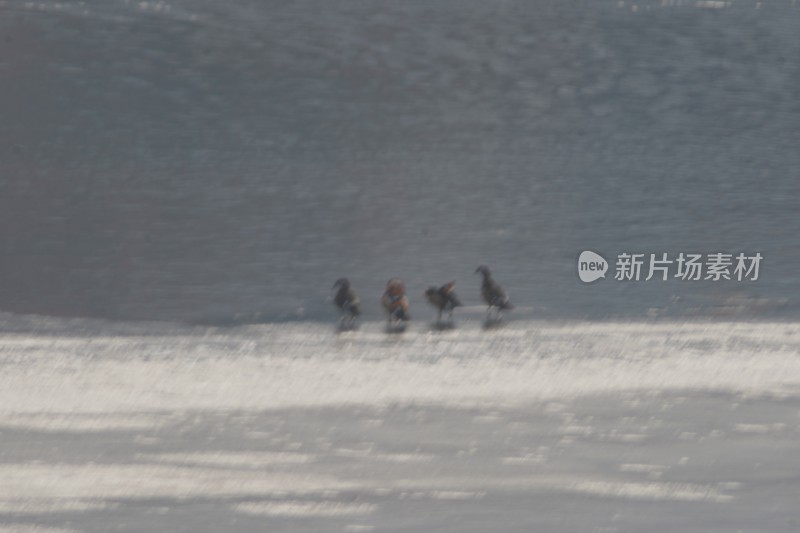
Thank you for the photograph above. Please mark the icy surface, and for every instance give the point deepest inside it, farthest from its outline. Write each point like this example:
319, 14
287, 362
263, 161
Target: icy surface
570, 426
307, 364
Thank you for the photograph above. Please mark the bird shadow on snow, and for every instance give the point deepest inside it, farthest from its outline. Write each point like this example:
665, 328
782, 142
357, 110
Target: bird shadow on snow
493, 323
441, 326
396, 328
343, 327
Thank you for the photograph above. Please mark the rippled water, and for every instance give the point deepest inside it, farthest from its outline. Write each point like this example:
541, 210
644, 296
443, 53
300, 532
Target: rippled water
203, 160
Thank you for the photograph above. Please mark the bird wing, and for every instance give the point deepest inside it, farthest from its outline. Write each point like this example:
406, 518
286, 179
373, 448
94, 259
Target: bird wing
447, 288
453, 300
494, 294
435, 299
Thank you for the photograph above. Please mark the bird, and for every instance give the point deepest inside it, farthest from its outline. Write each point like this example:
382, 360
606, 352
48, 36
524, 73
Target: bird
493, 294
347, 301
395, 302
443, 298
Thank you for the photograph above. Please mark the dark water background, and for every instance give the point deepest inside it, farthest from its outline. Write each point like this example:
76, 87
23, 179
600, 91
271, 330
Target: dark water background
194, 160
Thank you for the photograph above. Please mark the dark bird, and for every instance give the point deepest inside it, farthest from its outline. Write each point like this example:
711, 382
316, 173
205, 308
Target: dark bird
443, 298
493, 294
346, 300
395, 302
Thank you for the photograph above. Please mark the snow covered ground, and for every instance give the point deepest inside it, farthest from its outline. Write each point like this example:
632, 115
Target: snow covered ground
533, 426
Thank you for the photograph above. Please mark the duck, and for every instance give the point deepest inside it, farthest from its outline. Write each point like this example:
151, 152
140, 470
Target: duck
395, 302
346, 300
443, 299
493, 294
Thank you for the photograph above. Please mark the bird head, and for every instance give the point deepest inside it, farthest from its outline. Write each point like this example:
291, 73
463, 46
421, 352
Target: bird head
483, 269
342, 282
395, 287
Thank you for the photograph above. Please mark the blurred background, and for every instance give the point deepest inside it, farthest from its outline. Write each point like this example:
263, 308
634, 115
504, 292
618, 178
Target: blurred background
208, 161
